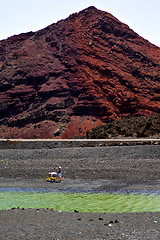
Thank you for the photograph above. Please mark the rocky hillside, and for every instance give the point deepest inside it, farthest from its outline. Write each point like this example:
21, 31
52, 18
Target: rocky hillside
144, 126
75, 75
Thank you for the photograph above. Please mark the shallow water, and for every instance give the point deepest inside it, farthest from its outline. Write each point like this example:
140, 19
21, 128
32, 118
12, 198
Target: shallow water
83, 202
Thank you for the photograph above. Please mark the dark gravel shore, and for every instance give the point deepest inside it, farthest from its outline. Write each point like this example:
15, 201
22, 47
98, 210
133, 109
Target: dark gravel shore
48, 225
93, 168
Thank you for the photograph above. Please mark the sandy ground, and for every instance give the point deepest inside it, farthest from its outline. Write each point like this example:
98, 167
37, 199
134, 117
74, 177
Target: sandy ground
89, 168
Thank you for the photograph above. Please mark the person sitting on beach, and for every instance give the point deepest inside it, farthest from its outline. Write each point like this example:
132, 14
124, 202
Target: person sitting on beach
59, 172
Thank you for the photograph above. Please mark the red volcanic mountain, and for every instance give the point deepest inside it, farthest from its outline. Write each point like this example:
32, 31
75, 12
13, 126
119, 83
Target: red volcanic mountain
75, 75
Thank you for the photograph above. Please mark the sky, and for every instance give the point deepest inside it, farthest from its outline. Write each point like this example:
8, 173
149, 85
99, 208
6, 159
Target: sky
20, 16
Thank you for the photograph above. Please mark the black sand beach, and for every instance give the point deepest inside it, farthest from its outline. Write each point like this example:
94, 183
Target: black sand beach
92, 168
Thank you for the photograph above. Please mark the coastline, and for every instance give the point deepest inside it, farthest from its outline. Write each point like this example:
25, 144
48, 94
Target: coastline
95, 168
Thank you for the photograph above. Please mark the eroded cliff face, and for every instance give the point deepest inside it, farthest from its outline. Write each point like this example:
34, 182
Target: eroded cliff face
75, 75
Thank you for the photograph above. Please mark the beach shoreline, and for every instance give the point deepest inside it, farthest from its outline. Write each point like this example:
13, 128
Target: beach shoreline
92, 168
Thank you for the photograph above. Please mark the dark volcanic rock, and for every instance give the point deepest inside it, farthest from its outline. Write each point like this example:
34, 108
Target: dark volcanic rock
75, 75
144, 126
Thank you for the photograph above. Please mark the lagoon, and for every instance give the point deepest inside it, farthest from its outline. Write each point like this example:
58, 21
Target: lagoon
80, 201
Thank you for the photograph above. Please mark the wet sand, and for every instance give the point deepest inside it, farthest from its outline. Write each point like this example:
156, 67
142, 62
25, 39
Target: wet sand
86, 168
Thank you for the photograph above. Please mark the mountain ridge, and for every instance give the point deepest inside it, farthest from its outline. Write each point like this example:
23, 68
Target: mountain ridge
74, 75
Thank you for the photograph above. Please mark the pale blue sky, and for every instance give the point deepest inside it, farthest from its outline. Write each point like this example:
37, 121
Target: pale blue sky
17, 16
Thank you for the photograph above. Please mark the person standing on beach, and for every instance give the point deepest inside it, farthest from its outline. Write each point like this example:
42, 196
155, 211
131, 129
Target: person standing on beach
59, 172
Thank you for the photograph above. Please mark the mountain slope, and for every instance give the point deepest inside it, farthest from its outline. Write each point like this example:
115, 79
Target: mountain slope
75, 75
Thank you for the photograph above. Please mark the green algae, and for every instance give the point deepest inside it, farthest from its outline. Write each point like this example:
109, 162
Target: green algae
82, 202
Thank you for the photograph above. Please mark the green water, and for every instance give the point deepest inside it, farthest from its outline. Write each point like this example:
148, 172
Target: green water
83, 202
